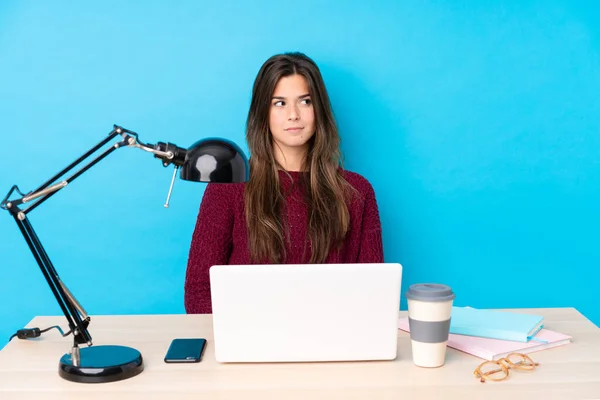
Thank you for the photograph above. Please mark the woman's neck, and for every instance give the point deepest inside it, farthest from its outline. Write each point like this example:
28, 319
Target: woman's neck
290, 159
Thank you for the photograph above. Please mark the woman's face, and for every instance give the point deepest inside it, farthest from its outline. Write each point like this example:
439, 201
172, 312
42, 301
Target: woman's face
291, 116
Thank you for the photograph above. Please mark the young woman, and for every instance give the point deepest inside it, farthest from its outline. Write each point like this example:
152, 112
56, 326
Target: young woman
299, 206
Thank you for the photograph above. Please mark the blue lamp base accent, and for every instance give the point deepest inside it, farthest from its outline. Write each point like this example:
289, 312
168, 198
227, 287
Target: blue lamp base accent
101, 364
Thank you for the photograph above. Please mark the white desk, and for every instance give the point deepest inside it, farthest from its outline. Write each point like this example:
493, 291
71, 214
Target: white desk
29, 369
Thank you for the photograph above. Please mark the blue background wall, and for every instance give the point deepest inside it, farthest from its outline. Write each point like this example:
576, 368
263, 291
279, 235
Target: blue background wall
478, 125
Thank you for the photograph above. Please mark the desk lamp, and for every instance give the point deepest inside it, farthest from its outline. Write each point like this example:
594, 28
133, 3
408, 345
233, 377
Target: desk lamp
207, 160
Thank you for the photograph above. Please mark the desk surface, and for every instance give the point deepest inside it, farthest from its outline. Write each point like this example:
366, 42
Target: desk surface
29, 369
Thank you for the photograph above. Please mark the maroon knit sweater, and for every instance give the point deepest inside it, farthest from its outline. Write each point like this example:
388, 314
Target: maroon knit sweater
221, 237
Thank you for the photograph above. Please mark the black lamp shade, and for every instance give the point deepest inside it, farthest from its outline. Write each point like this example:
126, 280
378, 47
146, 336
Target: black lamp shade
215, 160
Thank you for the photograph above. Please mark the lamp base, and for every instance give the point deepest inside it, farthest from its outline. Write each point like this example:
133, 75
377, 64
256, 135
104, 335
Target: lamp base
101, 364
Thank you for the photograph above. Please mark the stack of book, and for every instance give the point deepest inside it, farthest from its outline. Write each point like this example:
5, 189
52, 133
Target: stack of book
492, 334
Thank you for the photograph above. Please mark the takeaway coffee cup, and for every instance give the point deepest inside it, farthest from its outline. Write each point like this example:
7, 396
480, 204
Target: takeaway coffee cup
429, 311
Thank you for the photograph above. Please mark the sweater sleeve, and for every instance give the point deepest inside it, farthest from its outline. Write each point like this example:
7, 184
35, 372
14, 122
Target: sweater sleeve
211, 245
371, 243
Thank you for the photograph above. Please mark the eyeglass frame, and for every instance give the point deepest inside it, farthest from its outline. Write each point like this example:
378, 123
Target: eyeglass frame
505, 364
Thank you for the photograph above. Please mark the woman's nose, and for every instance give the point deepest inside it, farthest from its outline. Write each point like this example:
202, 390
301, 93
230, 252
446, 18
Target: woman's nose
294, 115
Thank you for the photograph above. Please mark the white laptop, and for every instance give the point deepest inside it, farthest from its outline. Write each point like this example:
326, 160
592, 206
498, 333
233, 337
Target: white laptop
305, 312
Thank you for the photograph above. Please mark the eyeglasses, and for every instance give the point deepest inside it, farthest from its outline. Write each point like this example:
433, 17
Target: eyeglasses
497, 370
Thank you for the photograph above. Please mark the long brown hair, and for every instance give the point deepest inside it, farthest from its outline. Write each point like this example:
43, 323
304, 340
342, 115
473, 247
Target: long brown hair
327, 190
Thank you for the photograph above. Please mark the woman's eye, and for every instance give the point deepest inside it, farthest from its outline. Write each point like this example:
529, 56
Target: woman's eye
278, 104
306, 101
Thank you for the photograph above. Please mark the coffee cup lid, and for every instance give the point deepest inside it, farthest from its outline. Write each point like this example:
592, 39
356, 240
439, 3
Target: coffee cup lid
430, 292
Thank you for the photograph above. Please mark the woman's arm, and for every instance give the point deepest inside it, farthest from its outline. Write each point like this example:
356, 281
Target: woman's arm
371, 242
211, 245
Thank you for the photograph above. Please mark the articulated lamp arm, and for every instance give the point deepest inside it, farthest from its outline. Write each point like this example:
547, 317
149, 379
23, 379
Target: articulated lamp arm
208, 160
76, 315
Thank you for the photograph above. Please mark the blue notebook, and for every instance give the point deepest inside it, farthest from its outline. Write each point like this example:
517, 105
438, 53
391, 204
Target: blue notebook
493, 324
